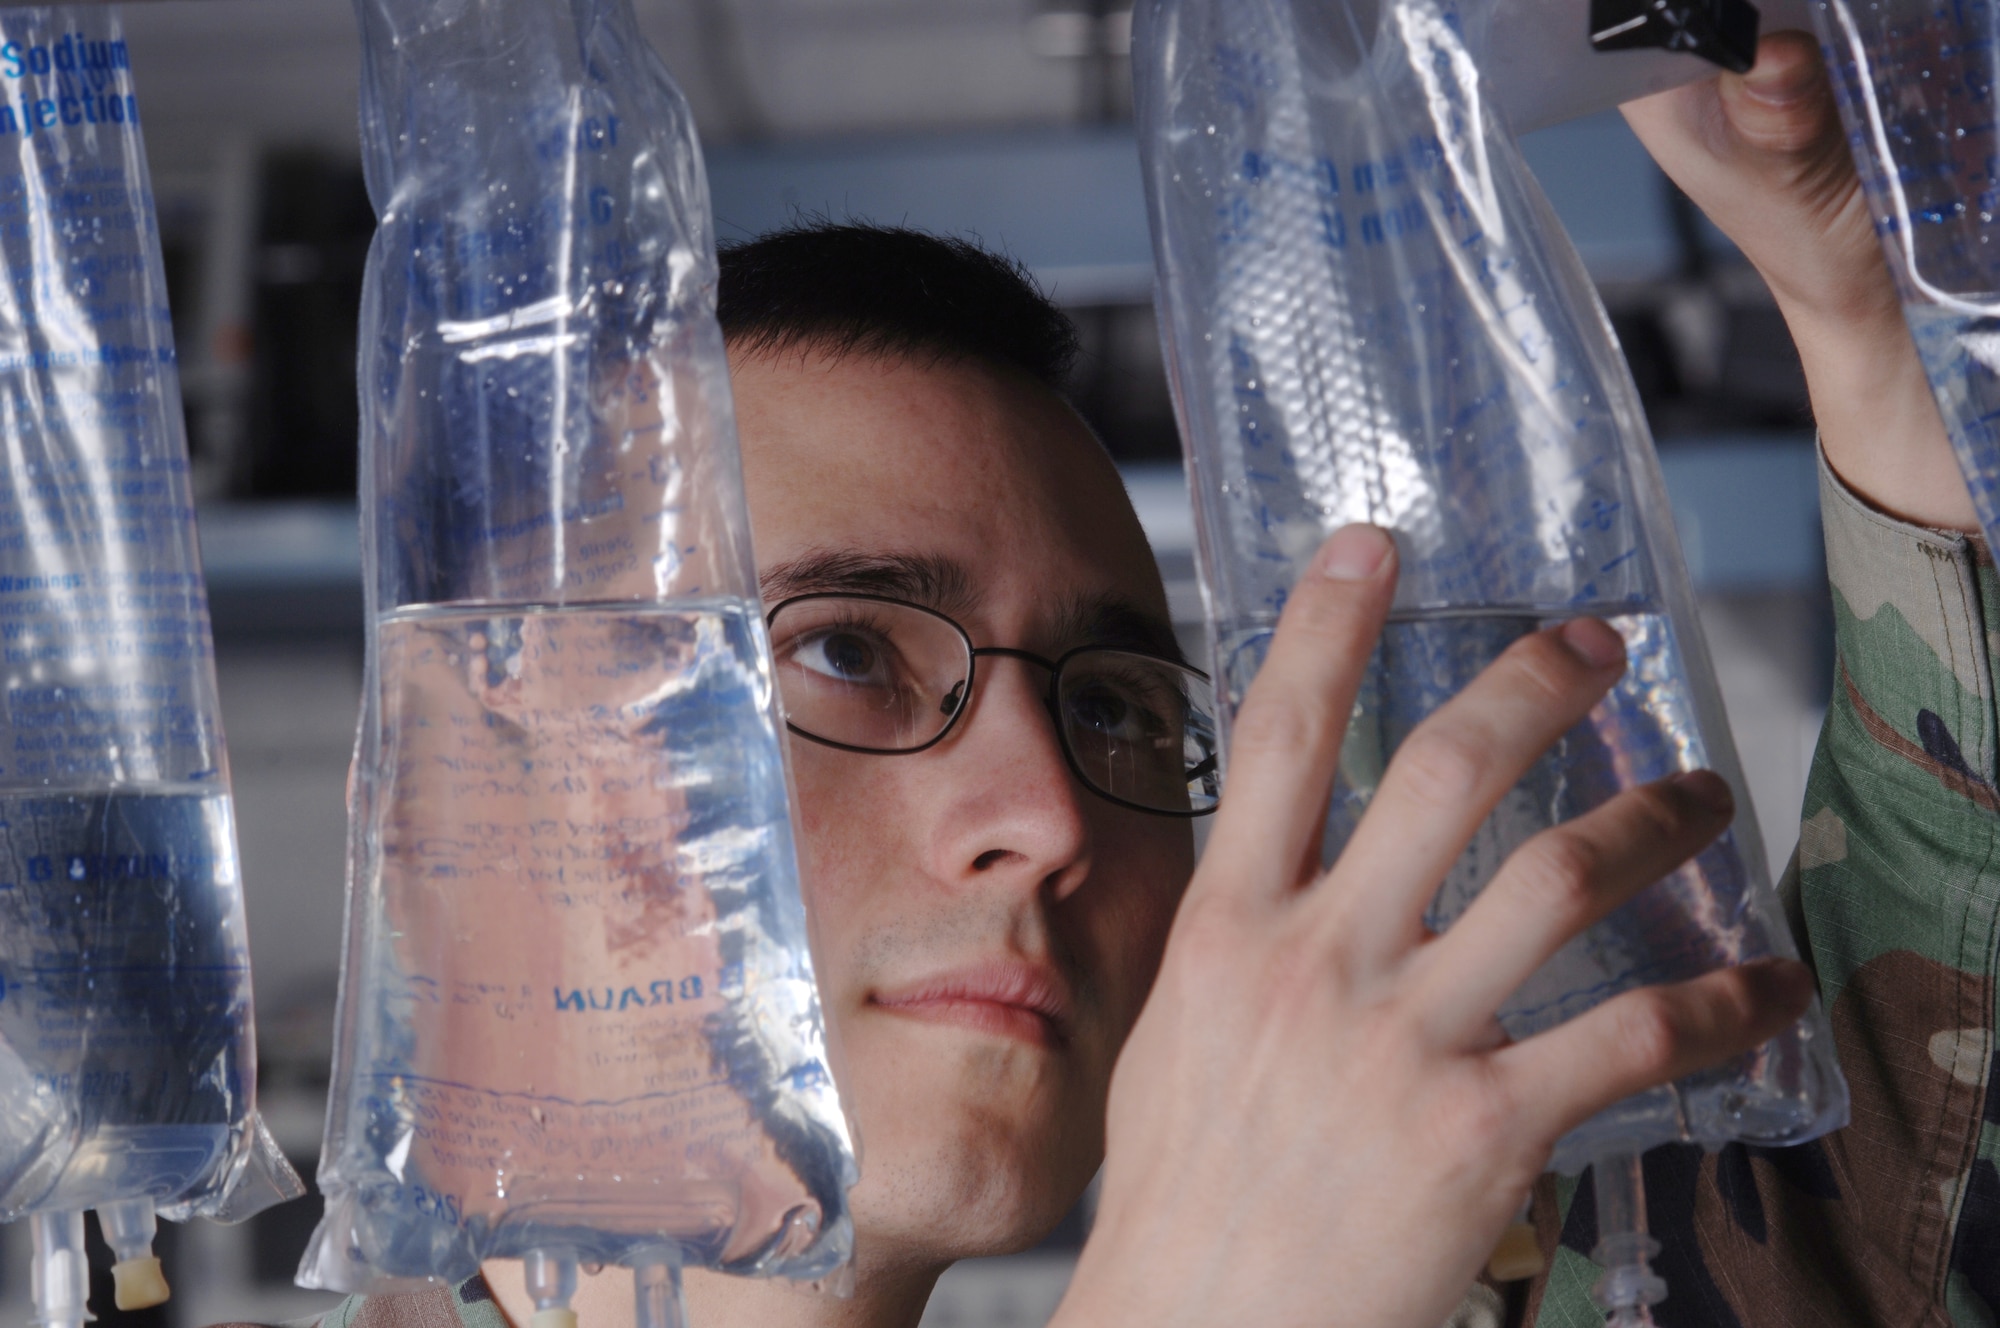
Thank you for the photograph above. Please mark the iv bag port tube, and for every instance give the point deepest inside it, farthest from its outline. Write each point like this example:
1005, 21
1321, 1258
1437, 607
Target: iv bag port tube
551, 1281
656, 1284
61, 1274
137, 1280
1629, 1284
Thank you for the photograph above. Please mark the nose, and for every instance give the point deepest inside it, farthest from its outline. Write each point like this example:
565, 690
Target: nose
1013, 813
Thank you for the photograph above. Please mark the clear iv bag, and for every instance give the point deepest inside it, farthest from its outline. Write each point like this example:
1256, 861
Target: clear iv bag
1915, 86
578, 1021
127, 1059
1372, 314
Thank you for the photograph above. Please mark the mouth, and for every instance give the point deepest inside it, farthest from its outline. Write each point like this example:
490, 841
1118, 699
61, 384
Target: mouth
1026, 1002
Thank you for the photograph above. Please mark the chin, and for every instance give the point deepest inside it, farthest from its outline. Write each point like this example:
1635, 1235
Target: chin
946, 1183
971, 1144
940, 1219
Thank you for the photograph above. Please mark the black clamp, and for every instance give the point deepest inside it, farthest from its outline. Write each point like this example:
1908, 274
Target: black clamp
1721, 31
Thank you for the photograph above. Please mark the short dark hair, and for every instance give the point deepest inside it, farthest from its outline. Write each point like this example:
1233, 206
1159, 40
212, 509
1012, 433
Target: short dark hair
887, 290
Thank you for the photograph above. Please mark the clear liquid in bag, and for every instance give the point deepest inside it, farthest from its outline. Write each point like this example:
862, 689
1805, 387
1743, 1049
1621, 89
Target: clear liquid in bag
124, 972
584, 860
1699, 918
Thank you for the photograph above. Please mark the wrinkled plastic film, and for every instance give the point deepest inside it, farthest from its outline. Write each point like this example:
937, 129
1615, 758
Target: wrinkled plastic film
578, 1018
1915, 86
127, 1058
1371, 314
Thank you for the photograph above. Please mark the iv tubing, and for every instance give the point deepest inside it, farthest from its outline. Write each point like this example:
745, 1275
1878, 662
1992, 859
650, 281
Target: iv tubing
1629, 1284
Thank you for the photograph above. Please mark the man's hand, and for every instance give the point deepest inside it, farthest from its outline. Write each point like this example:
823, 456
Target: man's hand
1317, 1118
1764, 155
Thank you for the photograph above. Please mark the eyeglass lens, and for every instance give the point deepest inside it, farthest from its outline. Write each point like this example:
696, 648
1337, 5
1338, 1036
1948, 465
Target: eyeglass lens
883, 676
1139, 729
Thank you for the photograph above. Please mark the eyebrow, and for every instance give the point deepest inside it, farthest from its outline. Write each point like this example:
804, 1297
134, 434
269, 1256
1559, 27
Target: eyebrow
1118, 623
938, 583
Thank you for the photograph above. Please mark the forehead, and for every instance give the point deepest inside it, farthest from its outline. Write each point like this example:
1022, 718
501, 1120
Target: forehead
861, 455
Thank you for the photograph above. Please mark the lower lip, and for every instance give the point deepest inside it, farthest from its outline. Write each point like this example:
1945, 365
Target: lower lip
1011, 1021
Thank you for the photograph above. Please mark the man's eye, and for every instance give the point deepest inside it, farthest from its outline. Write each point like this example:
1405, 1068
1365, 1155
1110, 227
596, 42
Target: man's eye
845, 655
1114, 714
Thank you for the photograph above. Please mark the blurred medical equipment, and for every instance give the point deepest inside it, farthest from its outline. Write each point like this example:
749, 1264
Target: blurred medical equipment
127, 1056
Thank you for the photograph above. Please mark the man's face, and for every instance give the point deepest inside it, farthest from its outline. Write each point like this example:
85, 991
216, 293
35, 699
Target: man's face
986, 928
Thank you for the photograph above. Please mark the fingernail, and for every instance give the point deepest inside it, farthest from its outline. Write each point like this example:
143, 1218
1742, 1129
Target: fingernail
1355, 553
1593, 643
1707, 788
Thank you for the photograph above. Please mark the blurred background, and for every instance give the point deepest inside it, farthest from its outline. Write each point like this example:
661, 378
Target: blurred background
1005, 120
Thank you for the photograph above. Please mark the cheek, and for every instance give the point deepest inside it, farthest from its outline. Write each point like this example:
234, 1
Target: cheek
845, 842
1145, 871
826, 835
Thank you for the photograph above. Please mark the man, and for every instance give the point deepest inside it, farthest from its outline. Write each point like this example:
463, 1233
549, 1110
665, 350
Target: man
988, 924
1312, 1119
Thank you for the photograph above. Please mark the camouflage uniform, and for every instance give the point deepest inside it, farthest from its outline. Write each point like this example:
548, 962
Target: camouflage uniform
1893, 1222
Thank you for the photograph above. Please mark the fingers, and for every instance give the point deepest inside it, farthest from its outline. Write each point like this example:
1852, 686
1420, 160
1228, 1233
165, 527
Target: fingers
1285, 741
1778, 105
1647, 1037
1763, 154
1774, 127
1453, 768
1785, 103
1553, 887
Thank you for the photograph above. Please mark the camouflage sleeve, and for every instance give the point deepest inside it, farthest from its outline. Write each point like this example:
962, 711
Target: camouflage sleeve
1895, 1220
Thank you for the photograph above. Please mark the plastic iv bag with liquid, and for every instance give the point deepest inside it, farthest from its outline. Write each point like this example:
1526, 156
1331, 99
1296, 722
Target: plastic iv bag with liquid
1915, 86
578, 1021
1373, 315
127, 1060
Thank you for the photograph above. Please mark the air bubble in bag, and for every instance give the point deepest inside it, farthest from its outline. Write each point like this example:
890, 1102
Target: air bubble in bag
578, 1022
1915, 86
127, 1057
1371, 314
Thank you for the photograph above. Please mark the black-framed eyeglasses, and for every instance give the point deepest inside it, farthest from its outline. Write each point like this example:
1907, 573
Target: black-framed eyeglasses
866, 673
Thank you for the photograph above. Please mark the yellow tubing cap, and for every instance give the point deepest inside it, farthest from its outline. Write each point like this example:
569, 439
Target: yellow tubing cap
1517, 1256
562, 1318
138, 1284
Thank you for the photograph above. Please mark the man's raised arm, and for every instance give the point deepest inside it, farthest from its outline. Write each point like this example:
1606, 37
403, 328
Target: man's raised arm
1764, 156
